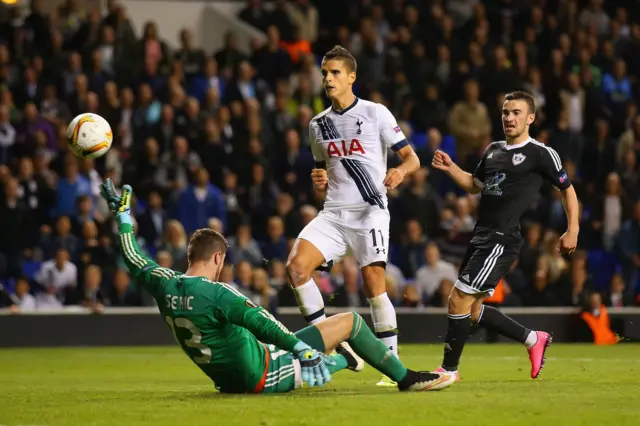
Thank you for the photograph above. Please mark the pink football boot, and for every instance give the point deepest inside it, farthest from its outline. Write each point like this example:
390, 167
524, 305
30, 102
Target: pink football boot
451, 373
537, 351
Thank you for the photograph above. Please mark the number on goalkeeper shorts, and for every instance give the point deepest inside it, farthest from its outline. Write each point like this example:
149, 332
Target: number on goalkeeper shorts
193, 342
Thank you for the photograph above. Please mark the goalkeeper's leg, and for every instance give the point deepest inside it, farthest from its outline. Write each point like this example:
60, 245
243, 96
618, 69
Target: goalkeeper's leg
350, 327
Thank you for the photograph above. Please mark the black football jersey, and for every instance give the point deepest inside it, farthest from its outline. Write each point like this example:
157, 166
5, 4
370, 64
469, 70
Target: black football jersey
510, 177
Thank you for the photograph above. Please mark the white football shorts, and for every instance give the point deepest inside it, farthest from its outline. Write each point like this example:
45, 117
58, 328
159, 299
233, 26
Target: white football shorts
362, 233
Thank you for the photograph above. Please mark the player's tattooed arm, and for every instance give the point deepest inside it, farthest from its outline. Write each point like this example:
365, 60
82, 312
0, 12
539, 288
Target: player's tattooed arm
410, 164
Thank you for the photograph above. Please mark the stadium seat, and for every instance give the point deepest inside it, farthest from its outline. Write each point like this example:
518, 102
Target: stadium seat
602, 265
419, 140
9, 286
30, 268
449, 146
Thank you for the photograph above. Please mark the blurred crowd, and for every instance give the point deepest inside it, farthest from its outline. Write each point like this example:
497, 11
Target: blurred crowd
219, 139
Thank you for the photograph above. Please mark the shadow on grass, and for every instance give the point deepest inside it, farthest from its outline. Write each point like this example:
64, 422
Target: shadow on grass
301, 393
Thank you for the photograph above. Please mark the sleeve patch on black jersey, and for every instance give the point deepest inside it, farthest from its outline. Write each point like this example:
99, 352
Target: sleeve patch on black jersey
250, 304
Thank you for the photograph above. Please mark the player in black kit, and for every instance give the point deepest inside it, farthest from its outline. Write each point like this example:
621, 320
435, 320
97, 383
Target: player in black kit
509, 176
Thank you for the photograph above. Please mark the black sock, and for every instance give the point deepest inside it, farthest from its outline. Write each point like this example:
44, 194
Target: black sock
457, 335
492, 319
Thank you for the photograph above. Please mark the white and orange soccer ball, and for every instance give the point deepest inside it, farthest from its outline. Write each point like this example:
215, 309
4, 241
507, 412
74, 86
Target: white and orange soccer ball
89, 135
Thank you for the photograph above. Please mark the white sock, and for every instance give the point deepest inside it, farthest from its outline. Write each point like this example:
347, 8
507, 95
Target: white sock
531, 339
384, 319
310, 302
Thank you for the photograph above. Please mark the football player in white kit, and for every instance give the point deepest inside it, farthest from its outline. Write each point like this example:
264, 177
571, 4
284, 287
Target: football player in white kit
349, 141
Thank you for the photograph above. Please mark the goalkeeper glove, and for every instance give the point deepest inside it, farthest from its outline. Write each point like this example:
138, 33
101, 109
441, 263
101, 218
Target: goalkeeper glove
313, 365
120, 205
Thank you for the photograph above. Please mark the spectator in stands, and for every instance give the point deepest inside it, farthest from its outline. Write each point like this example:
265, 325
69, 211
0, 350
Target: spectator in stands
58, 279
88, 244
277, 275
69, 188
429, 276
303, 15
245, 85
350, 293
174, 241
63, 238
122, 294
556, 264
411, 258
531, 250
575, 284
153, 221
272, 62
430, 110
244, 248
255, 14
469, 122
200, 201
216, 224
617, 297
13, 222
540, 292
630, 140
229, 56
396, 280
192, 58
458, 226
612, 211
85, 212
152, 48
164, 259
262, 195
243, 277
275, 246
22, 298
290, 167
629, 243
308, 69
226, 275
92, 297
419, 200
573, 101
629, 175
267, 296
7, 135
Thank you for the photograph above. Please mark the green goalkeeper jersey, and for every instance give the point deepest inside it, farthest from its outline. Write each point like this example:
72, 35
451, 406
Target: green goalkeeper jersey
220, 329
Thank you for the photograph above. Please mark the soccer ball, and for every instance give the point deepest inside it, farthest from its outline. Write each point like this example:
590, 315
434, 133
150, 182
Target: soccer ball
89, 135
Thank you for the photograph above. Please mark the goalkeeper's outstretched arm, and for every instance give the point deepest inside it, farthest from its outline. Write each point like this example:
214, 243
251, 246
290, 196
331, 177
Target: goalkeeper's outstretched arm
239, 310
146, 272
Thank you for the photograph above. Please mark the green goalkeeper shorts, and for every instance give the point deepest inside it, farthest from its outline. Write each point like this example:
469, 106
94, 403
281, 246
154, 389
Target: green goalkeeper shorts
283, 371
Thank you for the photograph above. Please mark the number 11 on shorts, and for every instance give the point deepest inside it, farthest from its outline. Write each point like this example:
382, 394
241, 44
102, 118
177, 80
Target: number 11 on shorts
374, 240
373, 231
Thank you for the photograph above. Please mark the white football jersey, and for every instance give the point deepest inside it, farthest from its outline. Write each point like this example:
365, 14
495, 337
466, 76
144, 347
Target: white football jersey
353, 143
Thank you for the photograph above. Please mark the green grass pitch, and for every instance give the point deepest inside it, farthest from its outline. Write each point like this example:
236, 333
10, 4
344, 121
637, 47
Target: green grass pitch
580, 385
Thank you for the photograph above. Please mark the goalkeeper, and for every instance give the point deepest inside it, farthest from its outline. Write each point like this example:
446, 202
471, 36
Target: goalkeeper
239, 345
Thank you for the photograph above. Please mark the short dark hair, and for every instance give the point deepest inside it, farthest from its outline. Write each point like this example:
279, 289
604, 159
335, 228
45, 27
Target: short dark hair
341, 54
204, 243
521, 95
